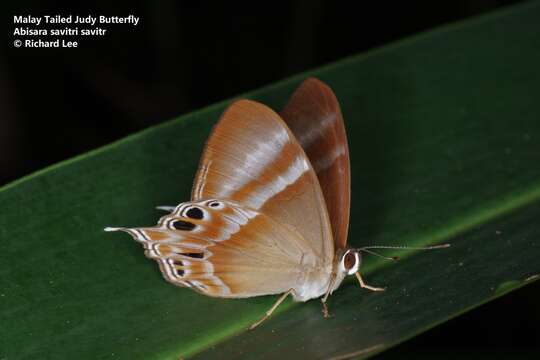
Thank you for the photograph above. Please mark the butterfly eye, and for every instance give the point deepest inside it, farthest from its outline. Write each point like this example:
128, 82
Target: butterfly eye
351, 262
216, 204
194, 213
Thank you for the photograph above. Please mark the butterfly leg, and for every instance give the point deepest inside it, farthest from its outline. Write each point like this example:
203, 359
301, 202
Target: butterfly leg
365, 286
325, 312
271, 310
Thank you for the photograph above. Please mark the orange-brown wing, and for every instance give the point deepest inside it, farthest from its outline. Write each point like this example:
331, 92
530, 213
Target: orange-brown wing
314, 116
219, 248
253, 159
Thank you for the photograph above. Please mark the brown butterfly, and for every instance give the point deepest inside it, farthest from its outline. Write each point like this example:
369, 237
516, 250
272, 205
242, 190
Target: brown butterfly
270, 206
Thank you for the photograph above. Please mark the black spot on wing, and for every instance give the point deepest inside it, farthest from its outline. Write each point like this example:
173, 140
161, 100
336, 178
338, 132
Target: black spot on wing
195, 213
195, 255
179, 272
183, 225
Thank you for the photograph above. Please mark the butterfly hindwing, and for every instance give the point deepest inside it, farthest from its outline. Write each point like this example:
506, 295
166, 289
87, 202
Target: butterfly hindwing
222, 249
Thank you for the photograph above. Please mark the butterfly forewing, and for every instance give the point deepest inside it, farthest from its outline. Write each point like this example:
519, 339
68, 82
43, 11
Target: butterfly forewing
314, 116
253, 159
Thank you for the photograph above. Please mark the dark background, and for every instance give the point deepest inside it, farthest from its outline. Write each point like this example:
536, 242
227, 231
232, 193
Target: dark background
58, 103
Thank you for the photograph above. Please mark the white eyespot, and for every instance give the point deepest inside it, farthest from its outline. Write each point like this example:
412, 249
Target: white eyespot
350, 262
214, 204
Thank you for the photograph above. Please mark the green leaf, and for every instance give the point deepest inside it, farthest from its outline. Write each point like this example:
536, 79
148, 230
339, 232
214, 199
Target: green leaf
445, 145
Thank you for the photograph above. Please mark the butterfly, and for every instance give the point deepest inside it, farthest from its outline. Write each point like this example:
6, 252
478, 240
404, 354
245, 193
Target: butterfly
269, 209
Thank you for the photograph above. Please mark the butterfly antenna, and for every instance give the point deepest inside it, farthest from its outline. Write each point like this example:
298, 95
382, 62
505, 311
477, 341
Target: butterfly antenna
441, 246
366, 249
379, 255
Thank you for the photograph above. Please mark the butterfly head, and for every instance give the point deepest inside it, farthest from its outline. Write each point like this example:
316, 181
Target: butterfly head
350, 261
